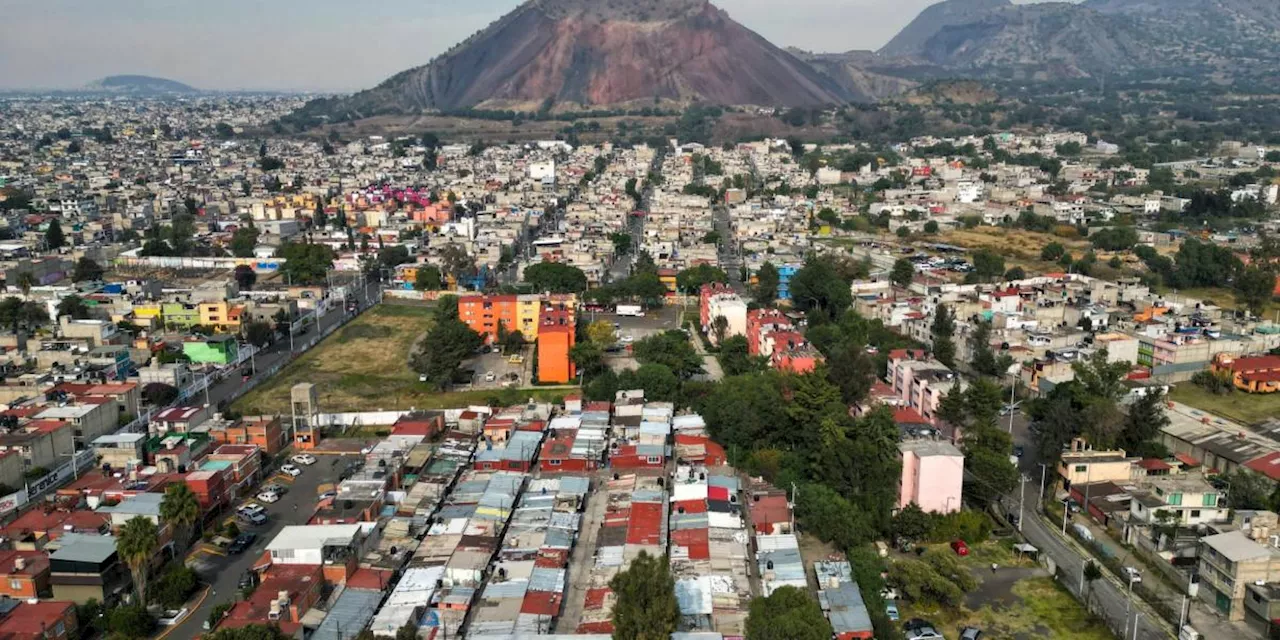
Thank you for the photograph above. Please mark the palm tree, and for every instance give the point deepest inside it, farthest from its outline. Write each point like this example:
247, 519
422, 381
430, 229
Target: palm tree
181, 509
136, 543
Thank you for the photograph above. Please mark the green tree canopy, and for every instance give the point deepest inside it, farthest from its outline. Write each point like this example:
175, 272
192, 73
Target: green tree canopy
646, 607
86, 270
690, 280
244, 241
305, 264
53, 237
818, 289
902, 273
787, 614
428, 278
671, 349
555, 277
767, 281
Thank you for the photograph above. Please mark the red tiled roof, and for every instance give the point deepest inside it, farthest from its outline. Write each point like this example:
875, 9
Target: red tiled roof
34, 619
698, 542
645, 525
543, 603
907, 415
1187, 460
1154, 464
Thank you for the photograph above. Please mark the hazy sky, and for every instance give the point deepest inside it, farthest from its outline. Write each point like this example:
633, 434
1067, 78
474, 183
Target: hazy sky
330, 44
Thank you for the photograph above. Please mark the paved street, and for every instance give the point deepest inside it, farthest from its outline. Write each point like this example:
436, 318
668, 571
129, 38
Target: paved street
1108, 596
223, 571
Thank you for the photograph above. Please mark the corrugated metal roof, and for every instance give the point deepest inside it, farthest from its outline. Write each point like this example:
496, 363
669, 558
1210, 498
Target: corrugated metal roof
349, 614
547, 579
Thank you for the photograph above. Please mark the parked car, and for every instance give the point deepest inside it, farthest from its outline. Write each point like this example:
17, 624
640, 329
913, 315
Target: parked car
891, 610
490, 377
252, 508
253, 519
1132, 574
276, 488
291, 470
268, 496
971, 633
248, 580
917, 629
242, 542
304, 459
960, 548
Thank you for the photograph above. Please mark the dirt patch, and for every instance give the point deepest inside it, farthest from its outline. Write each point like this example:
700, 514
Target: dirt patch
1015, 245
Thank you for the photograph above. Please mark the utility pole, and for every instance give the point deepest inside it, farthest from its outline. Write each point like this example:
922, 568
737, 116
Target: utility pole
1043, 472
1022, 495
1012, 410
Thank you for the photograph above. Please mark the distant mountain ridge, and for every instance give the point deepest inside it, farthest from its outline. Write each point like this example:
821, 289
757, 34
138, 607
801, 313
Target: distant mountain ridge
599, 53
1187, 37
140, 84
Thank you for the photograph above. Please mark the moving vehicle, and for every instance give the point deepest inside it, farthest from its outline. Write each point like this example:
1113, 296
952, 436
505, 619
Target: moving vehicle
960, 548
632, 310
242, 543
1132, 574
291, 470
304, 459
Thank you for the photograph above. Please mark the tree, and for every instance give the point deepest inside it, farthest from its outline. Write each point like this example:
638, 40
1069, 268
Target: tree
588, 357
621, 242
911, 523
136, 543
1144, 420
767, 281
259, 333
408, 631
657, 380
817, 289
555, 277
172, 589
850, 368
735, 357
53, 238
252, 632
690, 280
931, 227
244, 241
719, 326
984, 359
159, 394
16, 314
942, 330
513, 342
87, 270
646, 607
902, 273
245, 277
73, 306
305, 264
601, 332
443, 349
1254, 288
25, 281
670, 349
130, 621
428, 278
1052, 252
787, 614
1015, 273
987, 264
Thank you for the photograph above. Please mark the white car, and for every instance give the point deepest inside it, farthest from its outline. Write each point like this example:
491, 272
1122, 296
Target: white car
490, 377
304, 459
627, 339
291, 470
1133, 574
253, 507
268, 496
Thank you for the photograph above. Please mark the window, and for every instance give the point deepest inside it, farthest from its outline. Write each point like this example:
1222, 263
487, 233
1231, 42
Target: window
1195, 513
654, 459
1081, 468
15, 585
1175, 499
1210, 500
554, 463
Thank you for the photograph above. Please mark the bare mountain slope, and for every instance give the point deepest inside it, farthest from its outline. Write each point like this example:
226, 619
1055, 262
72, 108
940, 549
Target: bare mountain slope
598, 52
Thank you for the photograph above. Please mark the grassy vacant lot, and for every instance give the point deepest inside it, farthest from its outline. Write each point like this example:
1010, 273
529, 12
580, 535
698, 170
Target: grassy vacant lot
1242, 407
365, 366
1018, 602
1016, 245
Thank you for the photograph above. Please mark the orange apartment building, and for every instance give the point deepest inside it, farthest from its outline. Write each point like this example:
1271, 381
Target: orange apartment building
265, 431
24, 574
514, 312
556, 337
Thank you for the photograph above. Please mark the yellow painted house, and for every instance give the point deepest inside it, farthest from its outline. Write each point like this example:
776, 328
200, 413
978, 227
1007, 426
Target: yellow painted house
222, 316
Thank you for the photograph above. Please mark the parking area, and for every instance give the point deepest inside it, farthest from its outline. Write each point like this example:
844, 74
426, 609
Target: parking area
222, 567
508, 370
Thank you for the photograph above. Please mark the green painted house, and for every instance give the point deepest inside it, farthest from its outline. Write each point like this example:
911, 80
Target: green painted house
180, 315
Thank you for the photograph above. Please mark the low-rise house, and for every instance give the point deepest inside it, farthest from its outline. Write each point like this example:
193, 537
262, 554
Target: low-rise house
1084, 465
932, 475
1231, 561
1184, 499
86, 567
